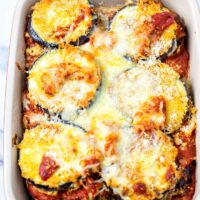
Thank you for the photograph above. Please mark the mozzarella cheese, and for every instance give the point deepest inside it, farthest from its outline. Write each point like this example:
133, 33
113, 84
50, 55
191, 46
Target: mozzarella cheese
142, 166
64, 80
134, 87
68, 145
110, 66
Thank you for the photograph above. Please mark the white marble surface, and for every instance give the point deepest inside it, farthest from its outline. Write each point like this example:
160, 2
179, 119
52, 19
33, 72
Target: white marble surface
6, 15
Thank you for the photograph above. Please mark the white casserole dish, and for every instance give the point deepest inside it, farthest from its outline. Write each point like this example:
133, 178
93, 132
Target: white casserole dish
13, 183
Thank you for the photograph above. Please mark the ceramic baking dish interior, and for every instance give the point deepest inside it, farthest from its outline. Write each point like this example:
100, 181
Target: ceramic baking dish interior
13, 183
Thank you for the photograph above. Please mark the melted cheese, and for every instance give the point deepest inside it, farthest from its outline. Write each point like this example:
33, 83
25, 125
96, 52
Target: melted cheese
150, 116
174, 92
57, 21
111, 65
141, 159
132, 27
122, 25
68, 145
64, 77
131, 88
134, 87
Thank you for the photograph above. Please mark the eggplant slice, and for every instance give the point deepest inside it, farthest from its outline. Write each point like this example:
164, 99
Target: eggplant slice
143, 30
53, 154
63, 81
141, 165
40, 194
56, 21
93, 188
133, 93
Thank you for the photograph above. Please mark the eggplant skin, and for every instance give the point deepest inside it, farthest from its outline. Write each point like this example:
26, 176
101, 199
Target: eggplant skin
47, 189
170, 51
81, 40
37, 39
41, 194
53, 115
183, 186
186, 179
161, 57
74, 125
85, 38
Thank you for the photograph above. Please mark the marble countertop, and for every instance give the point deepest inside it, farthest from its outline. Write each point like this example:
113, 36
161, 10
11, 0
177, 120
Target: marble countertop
6, 20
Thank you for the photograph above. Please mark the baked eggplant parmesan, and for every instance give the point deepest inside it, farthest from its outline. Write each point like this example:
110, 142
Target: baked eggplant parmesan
63, 81
113, 118
143, 30
56, 21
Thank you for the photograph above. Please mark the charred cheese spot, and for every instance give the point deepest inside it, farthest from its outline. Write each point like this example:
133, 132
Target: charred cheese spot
173, 90
143, 167
146, 29
68, 146
56, 21
134, 87
151, 115
105, 129
101, 40
64, 80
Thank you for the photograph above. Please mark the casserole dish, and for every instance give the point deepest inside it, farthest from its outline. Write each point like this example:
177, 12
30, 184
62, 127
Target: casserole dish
13, 183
